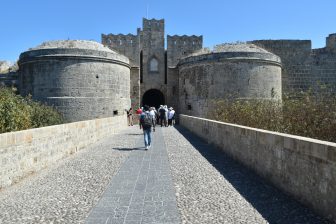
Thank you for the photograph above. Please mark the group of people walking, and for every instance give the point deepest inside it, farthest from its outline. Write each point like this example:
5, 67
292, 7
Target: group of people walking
163, 116
149, 117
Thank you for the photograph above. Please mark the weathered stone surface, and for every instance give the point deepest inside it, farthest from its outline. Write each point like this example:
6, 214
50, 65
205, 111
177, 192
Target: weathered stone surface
66, 191
233, 71
116, 181
29, 151
82, 79
304, 67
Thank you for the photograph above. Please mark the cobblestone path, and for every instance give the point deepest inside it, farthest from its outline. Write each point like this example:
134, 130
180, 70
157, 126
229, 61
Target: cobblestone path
181, 179
66, 192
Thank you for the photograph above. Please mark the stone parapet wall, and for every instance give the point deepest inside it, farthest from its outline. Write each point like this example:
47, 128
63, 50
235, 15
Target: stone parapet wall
8, 79
302, 167
25, 152
232, 56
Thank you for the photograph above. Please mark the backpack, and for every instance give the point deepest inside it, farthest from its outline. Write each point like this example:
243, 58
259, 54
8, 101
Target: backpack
146, 121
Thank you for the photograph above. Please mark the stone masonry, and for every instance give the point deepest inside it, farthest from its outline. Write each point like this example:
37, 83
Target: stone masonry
147, 49
98, 83
300, 66
82, 79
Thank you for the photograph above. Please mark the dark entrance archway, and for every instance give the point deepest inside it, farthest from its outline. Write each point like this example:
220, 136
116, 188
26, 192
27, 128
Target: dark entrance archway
153, 98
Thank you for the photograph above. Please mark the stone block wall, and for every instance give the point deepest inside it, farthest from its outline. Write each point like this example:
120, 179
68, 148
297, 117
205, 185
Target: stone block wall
181, 46
82, 83
206, 78
304, 67
331, 42
152, 46
304, 168
8, 79
128, 45
324, 67
295, 58
135, 87
25, 152
173, 89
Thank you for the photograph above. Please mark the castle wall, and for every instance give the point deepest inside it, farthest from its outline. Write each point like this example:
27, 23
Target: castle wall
181, 46
331, 42
296, 64
173, 88
324, 67
152, 40
206, 78
82, 84
150, 43
128, 45
8, 79
303, 67
303, 167
28, 151
135, 88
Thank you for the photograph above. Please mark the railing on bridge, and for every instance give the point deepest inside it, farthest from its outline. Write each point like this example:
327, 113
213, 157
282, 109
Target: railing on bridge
28, 151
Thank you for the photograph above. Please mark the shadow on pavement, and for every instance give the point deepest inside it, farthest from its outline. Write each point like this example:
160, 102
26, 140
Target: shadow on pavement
129, 149
271, 203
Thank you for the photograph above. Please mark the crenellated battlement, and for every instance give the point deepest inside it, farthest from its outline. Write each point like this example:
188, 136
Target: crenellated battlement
153, 25
127, 45
331, 42
184, 40
119, 39
301, 66
181, 46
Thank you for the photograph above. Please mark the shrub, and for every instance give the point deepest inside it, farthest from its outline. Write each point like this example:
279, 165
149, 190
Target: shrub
305, 114
19, 113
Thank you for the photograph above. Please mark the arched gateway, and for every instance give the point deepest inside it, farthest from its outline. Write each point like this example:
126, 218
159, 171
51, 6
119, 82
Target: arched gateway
153, 98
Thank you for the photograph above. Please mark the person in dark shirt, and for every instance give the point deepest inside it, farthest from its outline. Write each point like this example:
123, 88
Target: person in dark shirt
147, 122
162, 113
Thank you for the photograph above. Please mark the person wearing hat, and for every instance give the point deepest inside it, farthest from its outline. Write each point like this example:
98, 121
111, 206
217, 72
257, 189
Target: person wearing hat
171, 116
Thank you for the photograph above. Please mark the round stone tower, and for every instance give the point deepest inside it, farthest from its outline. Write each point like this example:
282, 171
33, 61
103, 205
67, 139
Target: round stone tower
230, 71
82, 79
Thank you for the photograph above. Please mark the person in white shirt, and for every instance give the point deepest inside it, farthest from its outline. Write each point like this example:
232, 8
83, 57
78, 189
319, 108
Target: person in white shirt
152, 113
171, 116
166, 116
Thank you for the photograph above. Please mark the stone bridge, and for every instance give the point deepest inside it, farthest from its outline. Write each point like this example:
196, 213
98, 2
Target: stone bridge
98, 172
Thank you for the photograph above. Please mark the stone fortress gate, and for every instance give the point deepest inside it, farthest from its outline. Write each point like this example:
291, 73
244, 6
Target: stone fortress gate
188, 77
87, 80
154, 77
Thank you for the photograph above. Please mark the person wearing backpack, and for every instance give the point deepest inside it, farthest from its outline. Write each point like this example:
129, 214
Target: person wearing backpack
147, 122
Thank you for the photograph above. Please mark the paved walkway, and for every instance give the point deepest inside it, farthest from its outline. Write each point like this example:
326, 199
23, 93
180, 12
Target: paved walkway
181, 179
142, 191
213, 188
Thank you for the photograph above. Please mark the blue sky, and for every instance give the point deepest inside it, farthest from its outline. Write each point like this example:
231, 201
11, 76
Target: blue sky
27, 23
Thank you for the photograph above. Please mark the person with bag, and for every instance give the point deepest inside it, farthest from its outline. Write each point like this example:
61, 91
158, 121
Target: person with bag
147, 122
